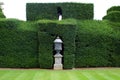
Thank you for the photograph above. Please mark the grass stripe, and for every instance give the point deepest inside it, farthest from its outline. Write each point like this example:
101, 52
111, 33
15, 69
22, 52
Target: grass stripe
26, 75
89, 75
45, 75
97, 76
112, 75
2, 73
81, 76
55, 75
63, 75
11, 75
101, 74
39, 75
105, 75
71, 75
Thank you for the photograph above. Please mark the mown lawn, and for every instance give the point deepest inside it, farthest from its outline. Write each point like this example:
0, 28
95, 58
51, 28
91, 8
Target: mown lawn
80, 74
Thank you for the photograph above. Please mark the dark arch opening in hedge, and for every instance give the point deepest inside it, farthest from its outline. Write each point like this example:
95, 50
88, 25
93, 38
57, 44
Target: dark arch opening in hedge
59, 11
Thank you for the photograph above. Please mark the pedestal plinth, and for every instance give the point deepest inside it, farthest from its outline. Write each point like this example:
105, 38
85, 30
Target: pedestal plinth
58, 62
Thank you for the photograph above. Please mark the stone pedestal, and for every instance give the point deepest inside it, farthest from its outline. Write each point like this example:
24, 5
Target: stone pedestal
58, 62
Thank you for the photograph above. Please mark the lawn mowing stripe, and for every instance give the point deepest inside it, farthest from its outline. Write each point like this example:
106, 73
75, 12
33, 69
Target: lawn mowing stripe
89, 75
39, 75
55, 75
117, 74
45, 75
80, 75
105, 75
63, 75
112, 75
3, 72
21, 76
74, 76
11, 75
26, 75
97, 76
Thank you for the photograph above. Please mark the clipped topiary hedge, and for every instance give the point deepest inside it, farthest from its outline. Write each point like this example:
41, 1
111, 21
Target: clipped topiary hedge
48, 32
18, 48
37, 11
114, 8
115, 46
86, 43
113, 16
45, 50
9, 23
94, 44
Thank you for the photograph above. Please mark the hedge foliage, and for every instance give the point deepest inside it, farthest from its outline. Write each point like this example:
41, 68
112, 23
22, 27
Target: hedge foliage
114, 8
113, 14
115, 43
86, 43
37, 11
18, 48
1, 14
48, 33
96, 45
9, 23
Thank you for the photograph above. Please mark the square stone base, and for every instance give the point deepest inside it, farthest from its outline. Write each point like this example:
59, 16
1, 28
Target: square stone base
58, 66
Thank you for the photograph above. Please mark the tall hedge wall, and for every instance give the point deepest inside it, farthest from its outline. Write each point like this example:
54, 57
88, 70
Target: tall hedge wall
92, 43
87, 43
18, 48
97, 44
115, 49
36, 11
48, 32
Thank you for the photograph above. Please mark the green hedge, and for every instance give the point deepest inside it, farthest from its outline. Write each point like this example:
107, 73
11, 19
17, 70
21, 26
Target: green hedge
9, 23
1, 14
45, 50
114, 8
94, 44
48, 32
86, 43
115, 56
113, 16
37, 11
18, 48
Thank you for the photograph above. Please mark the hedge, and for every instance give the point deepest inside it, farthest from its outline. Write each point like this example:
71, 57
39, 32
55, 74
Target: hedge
115, 49
37, 11
94, 44
18, 48
114, 8
86, 43
45, 50
48, 33
1, 14
113, 16
9, 23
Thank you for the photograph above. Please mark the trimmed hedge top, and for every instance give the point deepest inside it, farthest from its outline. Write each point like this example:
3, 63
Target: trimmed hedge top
113, 14
36, 11
114, 8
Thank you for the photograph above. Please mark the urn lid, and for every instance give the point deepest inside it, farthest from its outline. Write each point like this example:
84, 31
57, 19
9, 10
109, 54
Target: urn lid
58, 40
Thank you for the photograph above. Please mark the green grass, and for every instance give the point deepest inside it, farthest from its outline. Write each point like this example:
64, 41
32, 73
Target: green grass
81, 74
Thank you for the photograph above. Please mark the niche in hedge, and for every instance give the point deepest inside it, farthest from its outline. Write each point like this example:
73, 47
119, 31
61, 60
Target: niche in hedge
59, 12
